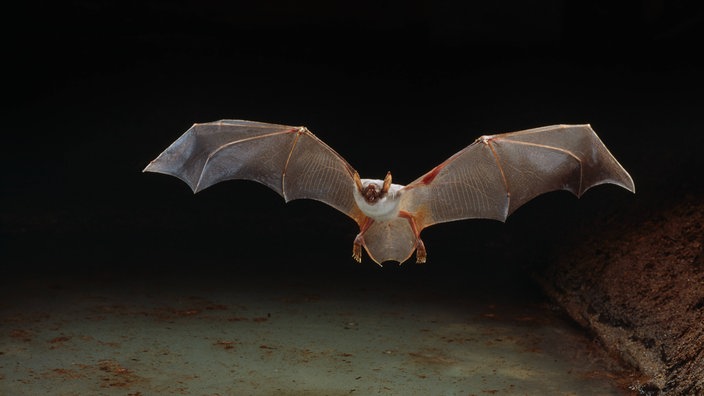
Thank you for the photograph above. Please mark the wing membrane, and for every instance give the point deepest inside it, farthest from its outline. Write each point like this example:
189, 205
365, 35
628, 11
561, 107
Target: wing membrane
495, 175
289, 160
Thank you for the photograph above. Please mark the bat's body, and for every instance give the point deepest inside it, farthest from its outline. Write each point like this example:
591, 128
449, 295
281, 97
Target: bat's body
383, 209
490, 178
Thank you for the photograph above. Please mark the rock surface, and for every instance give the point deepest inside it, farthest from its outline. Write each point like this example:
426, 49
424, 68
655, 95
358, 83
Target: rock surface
639, 288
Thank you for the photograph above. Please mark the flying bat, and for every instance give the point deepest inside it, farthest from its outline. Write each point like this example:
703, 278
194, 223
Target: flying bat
490, 178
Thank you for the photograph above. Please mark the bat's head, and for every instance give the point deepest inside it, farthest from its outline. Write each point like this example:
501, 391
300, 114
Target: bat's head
373, 190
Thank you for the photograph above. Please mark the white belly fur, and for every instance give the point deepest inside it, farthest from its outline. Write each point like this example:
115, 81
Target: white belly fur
384, 209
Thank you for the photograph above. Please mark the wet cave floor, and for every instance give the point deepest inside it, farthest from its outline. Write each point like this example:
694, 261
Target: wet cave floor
256, 334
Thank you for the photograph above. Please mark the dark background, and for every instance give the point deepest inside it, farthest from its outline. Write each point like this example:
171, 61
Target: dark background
94, 90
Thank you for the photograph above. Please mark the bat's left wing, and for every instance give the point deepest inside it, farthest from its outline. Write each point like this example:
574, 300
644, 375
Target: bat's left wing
290, 160
495, 175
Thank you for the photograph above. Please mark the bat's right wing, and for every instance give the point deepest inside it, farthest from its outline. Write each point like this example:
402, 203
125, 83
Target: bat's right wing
290, 160
496, 174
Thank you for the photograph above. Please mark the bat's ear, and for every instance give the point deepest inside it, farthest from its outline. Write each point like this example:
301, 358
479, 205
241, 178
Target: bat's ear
387, 183
358, 182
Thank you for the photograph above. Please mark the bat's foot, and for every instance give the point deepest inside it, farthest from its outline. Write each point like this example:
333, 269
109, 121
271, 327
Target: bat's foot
421, 253
363, 227
357, 253
357, 248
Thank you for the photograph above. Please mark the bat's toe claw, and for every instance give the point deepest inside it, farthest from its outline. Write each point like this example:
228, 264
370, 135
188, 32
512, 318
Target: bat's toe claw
357, 252
357, 248
421, 253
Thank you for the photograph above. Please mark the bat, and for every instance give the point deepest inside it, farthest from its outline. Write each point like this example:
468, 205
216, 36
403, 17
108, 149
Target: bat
490, 178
